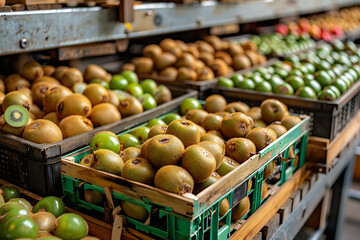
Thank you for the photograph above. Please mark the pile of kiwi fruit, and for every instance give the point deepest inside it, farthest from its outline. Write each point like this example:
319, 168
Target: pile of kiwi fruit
187, 154
200, 61
46, 104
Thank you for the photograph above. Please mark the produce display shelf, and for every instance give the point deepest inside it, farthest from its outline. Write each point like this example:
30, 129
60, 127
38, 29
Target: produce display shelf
46, 29
37, 166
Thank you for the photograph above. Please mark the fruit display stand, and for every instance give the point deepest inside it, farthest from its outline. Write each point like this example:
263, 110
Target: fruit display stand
37, 166
188, 215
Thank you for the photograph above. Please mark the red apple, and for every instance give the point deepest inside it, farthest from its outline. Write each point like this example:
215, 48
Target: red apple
325, 35
282, 29
337, 31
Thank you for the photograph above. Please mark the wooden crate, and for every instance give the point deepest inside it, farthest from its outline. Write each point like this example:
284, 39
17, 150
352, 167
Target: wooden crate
321, 152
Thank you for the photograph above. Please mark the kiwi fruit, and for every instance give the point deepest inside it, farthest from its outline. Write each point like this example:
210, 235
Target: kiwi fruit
194, 51
224, 207
74, 125
217, 150
273, 110
235, 125
53, 117
270, 168
128, 66
169, 73
237, 107
96, 94
227, 165
42, 131
235, 49
241, 62
186, 60
278, 129
215, 103
199, 187
32, 70
264, 190
254, 113
220, 68
241, 209
16, 116
94, 197
2, 85
196, 115
167, 44
204, 74
104, 113
27, 92
17, 131
253, 56
59, 72
71, 76
261, 137
107, 161
79, 87
15, 82
39, 91
259, 124
215, 42
185, 130
290, 121
34, 109
174, 179
2, 96
157, 130
74, 104
211, 122
204, 47
212, 138
52, 97
240, 149
130, 106
93, 71
133, 211
224, 56
113, 98
186, 74
152, 51
165, 60
207, 58
162, 95
249, 45
16, 98
176, 51
261, 58
183, 46
129, 153
49, 70
138, 169
48, 79
163, 150
143, 64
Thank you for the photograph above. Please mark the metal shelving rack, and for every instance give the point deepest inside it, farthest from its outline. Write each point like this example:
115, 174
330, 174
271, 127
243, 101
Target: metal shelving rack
47, 29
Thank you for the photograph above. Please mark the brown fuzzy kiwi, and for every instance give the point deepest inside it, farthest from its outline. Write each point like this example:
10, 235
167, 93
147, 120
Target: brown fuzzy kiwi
74, 125
213, 138
205, 47
162, 95
152, 51
53, 96
134, 211
47, 79
113, 98
167, 44
96, 94
32, 70
215, 42
60, 71
196, 115
237, 107
138, 169
261, 59
40, 90
186, 74
164, 60
176, 51
79, 87
199, 65
163, 150
222, 114
17, 131
253, 57
143, 64
220, 68
199, 187
235, 125
273, 110
74, 104
290, 121
224, 56
201, 129
16, 98
194, 51
183, 46
196, 157
261, 137
207, 58
43, 131
2, 85
53, 117
174, 179
128, 66
241, 62
241, 209
227, 165
215, 103
235, 49
240, 149
169, 73
216, 133
224, 207
2, 96
93, 71
217, 150
264, 190
211, 122
49, 70
129, 153
34, 109
278, 129
269, 170
186, 60
130, 106
249, 45
185, 130
260, 123
205, 74
15, 82
254, 113
104, 113
71, 76
27, 92
157, 130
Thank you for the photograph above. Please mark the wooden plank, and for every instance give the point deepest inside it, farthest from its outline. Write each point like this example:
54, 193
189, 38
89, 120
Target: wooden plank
285, 210
180, 204
126, 11
270, 227
357, 168
317, 219
304, 189
259, 218
5, 9
295, 197
89, 50
30, 2
312, 180
18, 7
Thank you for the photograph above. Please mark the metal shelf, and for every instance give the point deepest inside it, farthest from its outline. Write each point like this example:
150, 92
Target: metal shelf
26, 31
